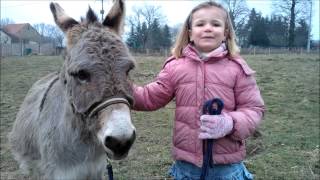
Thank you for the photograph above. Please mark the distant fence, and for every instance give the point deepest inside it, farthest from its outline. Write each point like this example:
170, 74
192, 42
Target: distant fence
244, 51
149, 52
20, 49
268, 51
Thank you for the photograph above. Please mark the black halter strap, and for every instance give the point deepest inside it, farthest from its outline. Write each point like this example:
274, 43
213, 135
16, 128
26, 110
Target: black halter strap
115, 100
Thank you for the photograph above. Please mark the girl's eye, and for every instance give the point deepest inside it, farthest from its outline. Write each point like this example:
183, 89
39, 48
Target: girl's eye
199, 25
216, 24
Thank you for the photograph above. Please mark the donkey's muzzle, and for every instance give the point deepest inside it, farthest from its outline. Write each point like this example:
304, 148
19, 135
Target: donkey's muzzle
117, 132
119, 147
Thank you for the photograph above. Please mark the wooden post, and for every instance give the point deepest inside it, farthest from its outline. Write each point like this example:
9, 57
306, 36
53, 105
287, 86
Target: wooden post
11, 49
21, 48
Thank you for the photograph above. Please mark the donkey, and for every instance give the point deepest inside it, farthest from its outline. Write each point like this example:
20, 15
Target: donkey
71, 120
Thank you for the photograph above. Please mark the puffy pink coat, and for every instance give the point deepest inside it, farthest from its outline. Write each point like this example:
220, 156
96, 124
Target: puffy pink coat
192, 81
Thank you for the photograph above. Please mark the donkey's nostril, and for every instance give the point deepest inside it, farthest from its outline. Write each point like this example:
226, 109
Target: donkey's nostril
112, 143
119, 146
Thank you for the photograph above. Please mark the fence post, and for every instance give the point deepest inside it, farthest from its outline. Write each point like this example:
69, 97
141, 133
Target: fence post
11, 51
21, 48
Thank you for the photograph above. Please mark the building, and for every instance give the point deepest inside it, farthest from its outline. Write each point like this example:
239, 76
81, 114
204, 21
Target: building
23, 39
5, 38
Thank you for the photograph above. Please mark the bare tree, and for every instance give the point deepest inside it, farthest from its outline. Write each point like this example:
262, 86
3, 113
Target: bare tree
42, 30
56, 35
295, 10
135, 19
238, 11
49, 34
150, 13
6, 21
147, 13
143, 24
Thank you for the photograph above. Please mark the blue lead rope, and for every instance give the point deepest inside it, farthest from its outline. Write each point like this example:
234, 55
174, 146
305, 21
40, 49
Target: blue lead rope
109, 169
212, 107
207, 158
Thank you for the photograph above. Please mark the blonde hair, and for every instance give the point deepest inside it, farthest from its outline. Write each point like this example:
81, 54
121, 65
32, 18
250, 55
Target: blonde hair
183, 37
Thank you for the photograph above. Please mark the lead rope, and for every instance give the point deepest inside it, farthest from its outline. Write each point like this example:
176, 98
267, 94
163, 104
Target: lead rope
212, 107
109, 169
207, 158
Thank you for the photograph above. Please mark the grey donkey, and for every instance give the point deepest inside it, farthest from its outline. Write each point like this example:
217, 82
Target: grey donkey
70, 121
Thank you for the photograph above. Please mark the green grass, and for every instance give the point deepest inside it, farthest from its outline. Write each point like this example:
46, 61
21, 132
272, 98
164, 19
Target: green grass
286, 148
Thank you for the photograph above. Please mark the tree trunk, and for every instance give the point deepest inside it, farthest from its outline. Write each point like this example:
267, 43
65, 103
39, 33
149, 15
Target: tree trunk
292, 24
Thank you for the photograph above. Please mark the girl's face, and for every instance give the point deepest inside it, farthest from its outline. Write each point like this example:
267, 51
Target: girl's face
208, 28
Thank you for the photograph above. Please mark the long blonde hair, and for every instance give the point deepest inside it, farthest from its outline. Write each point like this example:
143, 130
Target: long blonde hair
183, 37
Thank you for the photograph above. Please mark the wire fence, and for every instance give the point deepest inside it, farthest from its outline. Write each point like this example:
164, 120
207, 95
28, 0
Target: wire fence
49, 49
22, 49
244, 51
285, 50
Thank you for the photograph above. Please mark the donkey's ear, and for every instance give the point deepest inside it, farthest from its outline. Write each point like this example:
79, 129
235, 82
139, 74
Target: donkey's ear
91, 17
61, 18
114, 19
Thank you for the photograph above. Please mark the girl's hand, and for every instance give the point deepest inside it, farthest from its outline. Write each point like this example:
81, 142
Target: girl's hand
215, 126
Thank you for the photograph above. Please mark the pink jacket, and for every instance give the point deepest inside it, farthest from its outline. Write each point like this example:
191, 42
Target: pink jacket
192, 81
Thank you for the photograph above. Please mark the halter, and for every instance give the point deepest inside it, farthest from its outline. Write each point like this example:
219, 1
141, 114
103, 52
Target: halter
108, 102
98, 108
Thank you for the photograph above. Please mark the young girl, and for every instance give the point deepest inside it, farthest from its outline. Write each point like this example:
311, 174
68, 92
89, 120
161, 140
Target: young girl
206, 64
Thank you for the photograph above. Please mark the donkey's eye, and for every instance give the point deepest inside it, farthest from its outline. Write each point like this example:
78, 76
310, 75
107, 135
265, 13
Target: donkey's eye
131, 66
82, 76
127, 72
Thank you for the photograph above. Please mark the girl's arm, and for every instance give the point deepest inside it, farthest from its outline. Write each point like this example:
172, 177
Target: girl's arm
156, 94
249, 107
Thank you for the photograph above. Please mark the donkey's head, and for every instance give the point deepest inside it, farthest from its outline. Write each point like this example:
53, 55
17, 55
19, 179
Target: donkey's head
95, 75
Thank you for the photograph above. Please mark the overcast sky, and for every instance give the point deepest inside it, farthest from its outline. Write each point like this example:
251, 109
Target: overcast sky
33, 12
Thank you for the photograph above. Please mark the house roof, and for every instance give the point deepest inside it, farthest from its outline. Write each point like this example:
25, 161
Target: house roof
13, 29
1, 29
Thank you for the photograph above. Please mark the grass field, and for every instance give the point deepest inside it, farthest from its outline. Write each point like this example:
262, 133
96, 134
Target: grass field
287, 147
